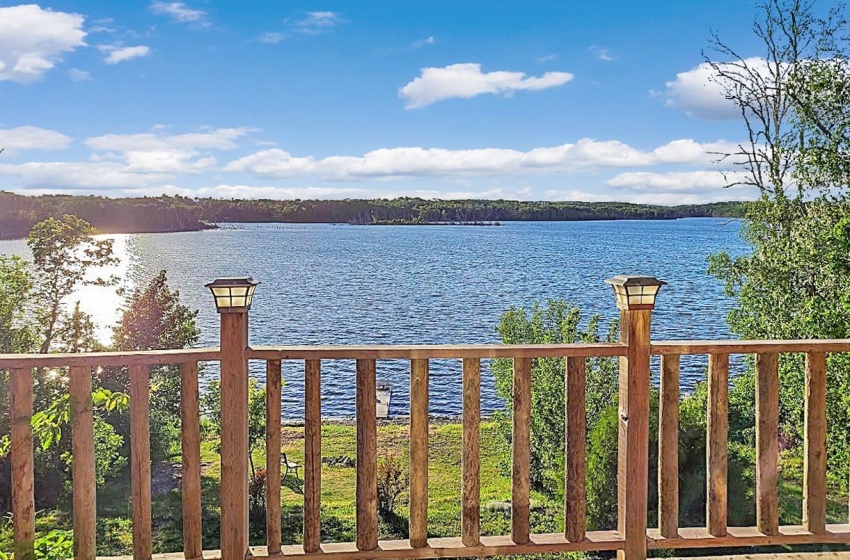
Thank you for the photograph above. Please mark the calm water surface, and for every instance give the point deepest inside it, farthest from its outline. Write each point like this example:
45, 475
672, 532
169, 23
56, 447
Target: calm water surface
333, 284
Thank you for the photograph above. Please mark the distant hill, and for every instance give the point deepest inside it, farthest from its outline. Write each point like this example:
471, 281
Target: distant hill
178, 213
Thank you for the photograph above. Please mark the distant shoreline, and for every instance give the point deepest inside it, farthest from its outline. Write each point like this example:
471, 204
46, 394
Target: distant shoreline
167, 214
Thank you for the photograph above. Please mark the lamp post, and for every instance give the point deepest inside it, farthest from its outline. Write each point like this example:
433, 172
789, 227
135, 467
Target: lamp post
635, 299
233, 297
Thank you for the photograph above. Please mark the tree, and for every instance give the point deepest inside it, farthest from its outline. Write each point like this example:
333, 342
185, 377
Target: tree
16, 334
33, 308
153, 318
556, 323
795, 283
63, 252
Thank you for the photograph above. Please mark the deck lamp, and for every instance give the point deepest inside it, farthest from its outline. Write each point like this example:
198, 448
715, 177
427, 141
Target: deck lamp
233, 294
635, 292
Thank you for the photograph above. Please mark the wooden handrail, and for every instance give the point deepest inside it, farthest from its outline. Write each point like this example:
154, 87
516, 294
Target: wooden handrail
431, 352
688, 347
632, 540
107, 359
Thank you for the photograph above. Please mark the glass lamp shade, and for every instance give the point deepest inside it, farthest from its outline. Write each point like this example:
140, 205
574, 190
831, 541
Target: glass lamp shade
233, 295
635, 292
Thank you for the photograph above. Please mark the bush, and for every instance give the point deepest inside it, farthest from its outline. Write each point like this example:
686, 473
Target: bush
556, 323
392, 481
257, 497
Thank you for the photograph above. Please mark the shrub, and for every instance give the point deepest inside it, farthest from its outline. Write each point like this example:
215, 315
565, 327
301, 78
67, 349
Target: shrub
392, 481
257, 497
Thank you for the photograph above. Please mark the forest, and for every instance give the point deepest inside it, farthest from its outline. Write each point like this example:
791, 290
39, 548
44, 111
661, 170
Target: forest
18, 213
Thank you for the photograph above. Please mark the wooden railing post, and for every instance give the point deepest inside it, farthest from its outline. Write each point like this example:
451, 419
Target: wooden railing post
23, 481
84, 481
366, 487
418, 453
668, 447
140, 461
635, 299
233, 307
273, 410
190, 427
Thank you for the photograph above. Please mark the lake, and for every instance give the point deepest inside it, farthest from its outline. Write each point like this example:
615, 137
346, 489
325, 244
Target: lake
340, 284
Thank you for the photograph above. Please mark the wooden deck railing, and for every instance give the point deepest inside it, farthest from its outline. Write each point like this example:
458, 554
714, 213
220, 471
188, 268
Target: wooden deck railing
631, 538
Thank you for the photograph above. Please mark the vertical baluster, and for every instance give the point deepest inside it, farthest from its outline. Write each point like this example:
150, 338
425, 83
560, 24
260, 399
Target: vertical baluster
367, 474
575, 479
83, 466
140, 461
273, 528
814, 461
23, 497
717, 446
521, 451
312, 454
668, 447
767, 443
470, 517
418, 453
190, 429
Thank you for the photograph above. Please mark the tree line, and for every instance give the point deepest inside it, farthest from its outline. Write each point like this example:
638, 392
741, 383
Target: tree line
18, 213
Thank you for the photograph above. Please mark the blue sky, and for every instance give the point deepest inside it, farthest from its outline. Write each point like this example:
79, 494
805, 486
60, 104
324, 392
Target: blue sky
524, 100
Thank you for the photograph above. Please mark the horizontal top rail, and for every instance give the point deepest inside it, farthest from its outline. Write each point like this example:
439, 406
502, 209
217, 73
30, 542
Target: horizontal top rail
667, 347
145, 357
425, 351
421, 351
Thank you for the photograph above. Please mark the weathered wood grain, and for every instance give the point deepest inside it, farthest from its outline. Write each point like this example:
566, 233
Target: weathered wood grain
470, 514
22, 463
418, 453
767, 443
575, 454
83, 463
814, 459
140, 461
312, 454
668, 447
234, 436
190, 428
717, 444
521, 451
367, 452
633, 454
273, 386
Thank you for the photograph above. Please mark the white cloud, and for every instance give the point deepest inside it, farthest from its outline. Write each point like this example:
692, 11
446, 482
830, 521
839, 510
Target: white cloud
602, 53
672, 181
178, 11
218, 139
423, 42
466, 81
70, 176
116, 54
159, 153
316, 192
271, 38
32, 138
546, 58
33, 40
424, 162
686, 187
701, 92
78, 75
316, 23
